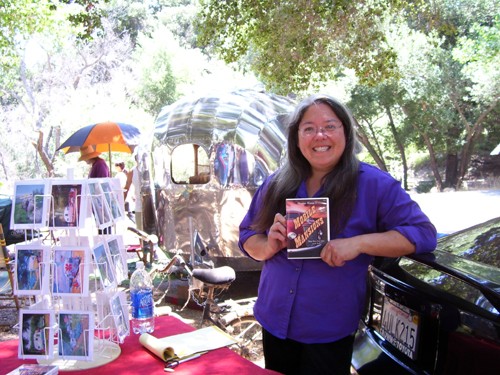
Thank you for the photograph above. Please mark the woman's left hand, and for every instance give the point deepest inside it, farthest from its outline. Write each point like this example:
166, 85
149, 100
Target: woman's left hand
336, 252
387, 244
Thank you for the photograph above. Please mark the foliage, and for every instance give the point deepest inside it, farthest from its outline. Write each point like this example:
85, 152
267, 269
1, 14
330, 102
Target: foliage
178, 17
89, 16
67, 84
425, 70
157, 86
291, 44
129, 17
19, 19
479, 53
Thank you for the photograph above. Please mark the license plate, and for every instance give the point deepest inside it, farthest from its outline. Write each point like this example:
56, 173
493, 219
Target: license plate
400, 327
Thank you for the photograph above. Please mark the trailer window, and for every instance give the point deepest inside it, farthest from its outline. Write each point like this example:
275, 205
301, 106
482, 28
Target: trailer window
190, 165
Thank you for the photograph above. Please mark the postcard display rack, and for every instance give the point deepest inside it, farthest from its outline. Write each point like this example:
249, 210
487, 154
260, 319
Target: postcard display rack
73, 270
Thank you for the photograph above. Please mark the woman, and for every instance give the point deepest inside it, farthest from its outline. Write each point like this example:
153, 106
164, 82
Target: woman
310, 308
98, 168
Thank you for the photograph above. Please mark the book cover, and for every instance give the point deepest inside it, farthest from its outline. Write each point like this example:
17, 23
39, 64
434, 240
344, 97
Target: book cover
308, 227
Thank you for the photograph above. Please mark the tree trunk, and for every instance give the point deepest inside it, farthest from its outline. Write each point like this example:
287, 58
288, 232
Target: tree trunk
434, 164
400, 146
366, 142
451, 174
45, 158
472, 134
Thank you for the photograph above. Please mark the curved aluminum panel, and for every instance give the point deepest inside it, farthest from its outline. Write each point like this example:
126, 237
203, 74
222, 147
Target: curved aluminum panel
243, 134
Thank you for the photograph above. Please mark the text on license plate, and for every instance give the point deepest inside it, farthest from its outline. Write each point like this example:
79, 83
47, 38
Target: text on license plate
400, 327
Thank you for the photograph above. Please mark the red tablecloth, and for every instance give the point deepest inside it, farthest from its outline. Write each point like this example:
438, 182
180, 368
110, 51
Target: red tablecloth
135, 359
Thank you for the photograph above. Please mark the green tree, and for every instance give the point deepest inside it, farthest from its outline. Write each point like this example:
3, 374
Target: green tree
86, 15
19, 19
62, 85
158, 85
447, 102
380, 125
293, 44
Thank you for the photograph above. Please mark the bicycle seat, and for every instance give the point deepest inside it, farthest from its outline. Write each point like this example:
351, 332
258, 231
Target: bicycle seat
216, 276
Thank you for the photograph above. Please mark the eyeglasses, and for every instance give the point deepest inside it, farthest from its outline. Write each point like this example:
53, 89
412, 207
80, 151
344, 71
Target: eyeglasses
311, 131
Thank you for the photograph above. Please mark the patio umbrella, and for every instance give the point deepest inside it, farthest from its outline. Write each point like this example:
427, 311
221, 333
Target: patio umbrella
105, 137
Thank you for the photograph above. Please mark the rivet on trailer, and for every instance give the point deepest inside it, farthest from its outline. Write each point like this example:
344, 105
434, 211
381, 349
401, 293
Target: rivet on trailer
208, 157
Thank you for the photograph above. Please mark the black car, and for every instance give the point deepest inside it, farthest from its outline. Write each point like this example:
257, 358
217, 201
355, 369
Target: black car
435, 313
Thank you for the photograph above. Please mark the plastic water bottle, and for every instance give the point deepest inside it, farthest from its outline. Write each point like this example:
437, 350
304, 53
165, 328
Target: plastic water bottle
141, 296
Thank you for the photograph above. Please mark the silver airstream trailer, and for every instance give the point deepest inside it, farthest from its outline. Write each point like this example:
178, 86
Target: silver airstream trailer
208, 156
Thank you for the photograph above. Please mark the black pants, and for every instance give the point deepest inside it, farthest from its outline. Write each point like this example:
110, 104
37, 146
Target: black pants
291, 357
106, 230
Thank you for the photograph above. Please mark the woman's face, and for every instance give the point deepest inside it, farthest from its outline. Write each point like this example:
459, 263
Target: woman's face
321, 138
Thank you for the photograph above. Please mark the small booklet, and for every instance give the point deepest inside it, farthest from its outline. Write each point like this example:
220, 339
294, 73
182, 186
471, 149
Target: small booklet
34, 369
308, 227
182, 347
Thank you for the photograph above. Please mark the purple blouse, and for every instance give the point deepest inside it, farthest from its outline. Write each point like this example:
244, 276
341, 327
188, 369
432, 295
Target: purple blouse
99, 169
310, 302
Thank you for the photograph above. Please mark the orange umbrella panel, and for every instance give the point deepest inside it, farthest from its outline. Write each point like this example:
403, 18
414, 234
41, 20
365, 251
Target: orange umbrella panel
105, 137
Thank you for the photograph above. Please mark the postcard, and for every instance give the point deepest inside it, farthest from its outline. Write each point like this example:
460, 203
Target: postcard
117, 211
118, 257
105, 322
76, 334
103, 265
119, 309
35, 369
36, 333
71, 271
32, 269
116, 186
67, 209
29, 205
100, 206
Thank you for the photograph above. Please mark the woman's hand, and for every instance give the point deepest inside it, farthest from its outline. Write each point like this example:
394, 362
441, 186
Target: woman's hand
336, 252
276, 237
388, 244
262, 247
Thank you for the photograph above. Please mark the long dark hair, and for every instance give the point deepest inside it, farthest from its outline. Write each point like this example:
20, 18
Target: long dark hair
340, 184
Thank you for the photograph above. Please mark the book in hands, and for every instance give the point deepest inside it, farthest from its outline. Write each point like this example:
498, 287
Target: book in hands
308, 227
184, 346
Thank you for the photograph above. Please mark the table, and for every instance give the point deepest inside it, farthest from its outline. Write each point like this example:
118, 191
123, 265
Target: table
135, 359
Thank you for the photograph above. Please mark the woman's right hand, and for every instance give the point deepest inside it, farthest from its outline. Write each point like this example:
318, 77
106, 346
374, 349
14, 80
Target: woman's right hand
262, 247
276, 237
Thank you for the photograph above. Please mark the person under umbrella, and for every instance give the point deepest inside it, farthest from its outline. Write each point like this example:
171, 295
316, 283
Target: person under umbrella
99, 167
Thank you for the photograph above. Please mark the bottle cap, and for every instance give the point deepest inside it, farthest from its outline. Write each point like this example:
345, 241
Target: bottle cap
139, 264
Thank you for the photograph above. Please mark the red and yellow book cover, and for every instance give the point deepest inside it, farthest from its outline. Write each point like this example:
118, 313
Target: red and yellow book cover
308, 227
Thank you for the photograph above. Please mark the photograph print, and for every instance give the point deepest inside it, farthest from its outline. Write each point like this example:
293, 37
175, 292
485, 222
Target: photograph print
117, 212
100, 206
76, 334
36, 334
67, 209
103, 263
116, 186
118, 257
30, 205
31, 270
71, 271
119, 310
